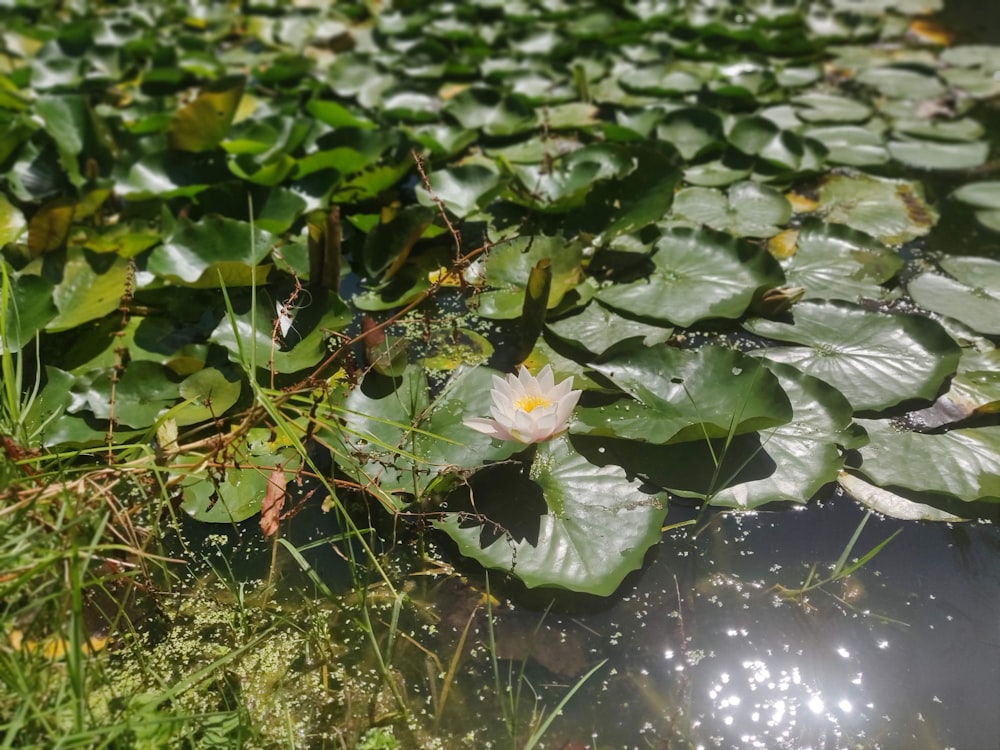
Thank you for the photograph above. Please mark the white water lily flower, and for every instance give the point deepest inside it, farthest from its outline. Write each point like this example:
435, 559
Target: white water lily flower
527, 409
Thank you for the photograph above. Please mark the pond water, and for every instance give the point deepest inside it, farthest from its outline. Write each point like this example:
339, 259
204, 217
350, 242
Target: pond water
703, 652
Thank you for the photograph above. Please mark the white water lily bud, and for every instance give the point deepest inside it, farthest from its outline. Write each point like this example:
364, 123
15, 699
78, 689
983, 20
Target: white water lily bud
527, 409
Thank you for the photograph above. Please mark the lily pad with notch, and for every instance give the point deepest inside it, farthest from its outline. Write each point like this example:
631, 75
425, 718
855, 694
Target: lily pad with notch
583, 528
875, 359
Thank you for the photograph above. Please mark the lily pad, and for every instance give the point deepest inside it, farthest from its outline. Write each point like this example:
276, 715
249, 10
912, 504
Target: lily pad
195, 250
928, 154
964, 464
142, 392
697, 274
573, 525
806, 451
852, 145
894, 211
677, 395
747, 210
232, 494
970, 295
509, 267
29, 310
86, 293
833, 261
876, 360
596, 329
462, 189
788, 463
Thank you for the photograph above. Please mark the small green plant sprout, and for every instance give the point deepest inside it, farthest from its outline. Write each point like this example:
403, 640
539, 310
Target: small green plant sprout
841, 569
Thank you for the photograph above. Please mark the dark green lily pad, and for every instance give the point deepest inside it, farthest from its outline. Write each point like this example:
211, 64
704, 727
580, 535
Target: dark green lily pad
596, 329
697, 274
876, 360
676, 395
964, 464
143, 391
787, 463
234, 493
574, 525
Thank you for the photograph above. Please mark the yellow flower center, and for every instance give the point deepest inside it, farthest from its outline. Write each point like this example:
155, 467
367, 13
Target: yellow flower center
529, 402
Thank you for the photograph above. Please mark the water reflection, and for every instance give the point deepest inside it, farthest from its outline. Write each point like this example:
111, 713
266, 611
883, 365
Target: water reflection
703, 653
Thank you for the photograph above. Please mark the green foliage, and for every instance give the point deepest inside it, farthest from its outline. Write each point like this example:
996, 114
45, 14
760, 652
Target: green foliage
185, 190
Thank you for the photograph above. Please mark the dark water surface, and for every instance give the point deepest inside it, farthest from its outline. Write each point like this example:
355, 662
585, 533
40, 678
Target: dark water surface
704, 653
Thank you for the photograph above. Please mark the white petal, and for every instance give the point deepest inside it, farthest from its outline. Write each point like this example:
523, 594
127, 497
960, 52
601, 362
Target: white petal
546, 379
488, 427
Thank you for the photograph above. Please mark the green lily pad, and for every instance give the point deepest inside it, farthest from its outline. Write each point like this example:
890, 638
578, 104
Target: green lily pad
207, 395
573, 525
192, 251
567, 183
234, 493
971, 294
901, 82
305, 346
12, 221
964, 129
86, 293
596, 329
787, 463
964, 464
29, 309
462, 189
509, 267
761, 137
894, 211
832, 261
142, 392
678, 395
806, 451
876, 360
928, 154
485, 109
201, 124
829, 108
747, 210
985, 198
691, 130
697, 274
852, 145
